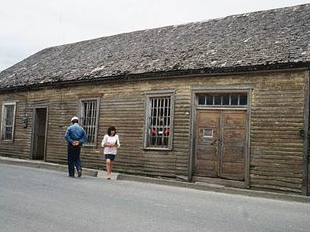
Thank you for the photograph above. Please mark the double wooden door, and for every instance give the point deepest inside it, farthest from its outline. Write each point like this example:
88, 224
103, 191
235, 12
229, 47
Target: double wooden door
221, 144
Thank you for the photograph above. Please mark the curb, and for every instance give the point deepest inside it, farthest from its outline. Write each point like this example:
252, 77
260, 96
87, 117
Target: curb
216, 188
44, 165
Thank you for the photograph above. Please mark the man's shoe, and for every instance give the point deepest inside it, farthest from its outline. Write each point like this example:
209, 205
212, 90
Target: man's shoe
79, 173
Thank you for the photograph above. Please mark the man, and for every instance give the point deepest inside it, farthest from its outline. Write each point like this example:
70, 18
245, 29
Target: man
75, 136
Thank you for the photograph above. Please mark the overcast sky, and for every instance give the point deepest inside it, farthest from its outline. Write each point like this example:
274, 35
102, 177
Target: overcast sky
28, 26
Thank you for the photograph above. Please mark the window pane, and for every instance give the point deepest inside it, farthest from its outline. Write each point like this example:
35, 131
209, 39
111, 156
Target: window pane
217, 100
9, 115
202, 100
209, 100
8, 133
226, 100
243, 99
234, 99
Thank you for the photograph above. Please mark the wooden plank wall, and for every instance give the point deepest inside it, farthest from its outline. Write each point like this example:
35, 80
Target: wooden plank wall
277, 114
121, 105
21, 146
276, 149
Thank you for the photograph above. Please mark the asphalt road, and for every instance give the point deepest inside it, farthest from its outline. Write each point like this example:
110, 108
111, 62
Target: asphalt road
43, 200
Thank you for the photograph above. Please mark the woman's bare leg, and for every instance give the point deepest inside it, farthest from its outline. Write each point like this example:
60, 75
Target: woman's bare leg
108, 167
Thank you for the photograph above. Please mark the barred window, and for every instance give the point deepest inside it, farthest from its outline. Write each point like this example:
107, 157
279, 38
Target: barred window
89, 119
159, 122
8, 119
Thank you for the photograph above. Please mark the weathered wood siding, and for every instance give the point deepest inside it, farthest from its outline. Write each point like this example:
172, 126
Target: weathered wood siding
277, 111
20, 148
277, 114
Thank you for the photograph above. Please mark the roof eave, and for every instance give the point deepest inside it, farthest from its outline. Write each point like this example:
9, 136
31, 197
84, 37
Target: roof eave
167, 74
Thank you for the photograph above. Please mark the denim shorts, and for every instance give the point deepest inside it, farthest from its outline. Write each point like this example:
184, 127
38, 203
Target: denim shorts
110, 156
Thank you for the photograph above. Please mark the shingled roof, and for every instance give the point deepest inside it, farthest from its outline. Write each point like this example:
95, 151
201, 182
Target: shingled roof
273, 38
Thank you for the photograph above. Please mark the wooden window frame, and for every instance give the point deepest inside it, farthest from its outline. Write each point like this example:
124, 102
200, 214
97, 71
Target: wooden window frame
158, 94
221, 95
81, 116
3, 126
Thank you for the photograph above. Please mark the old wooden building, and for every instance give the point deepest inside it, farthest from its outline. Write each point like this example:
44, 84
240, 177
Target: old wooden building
222, 101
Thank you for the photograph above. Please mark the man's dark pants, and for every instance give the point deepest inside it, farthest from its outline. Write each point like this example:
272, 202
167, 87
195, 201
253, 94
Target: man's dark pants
74, 159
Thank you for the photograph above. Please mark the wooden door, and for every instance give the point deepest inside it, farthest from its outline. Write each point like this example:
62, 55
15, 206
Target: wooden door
39, 132
221, 144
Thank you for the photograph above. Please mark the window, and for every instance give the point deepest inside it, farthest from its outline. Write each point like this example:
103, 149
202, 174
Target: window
232, 99
89, 109
8, 120
159, 120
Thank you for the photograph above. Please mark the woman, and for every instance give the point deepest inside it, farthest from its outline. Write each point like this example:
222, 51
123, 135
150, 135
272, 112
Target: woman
110, 143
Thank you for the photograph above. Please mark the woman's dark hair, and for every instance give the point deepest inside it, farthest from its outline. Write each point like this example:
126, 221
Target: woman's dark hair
111, 128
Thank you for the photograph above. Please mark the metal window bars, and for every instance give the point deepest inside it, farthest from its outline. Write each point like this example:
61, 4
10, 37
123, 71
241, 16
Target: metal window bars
89, 119
159, 122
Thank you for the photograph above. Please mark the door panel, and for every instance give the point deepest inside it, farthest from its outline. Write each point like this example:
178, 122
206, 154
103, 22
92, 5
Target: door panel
221, 144
208, 132
232, 159
232, 153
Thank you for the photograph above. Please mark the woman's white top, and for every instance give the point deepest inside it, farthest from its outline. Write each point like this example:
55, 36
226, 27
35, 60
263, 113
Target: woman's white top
107, 140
